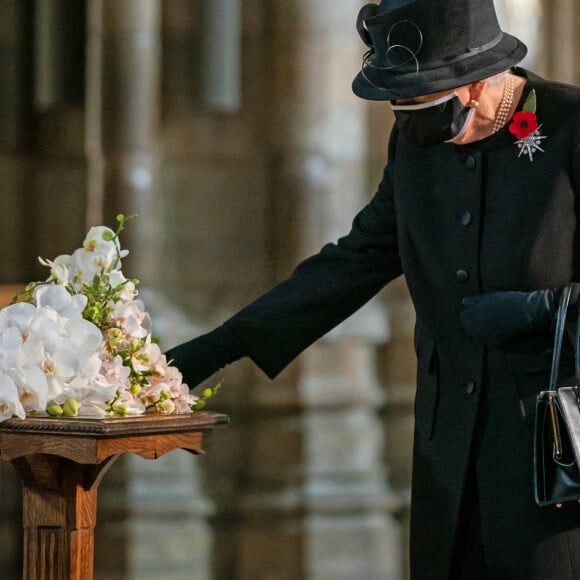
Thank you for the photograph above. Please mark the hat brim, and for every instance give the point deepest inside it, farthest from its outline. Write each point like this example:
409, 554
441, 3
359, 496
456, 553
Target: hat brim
382, 85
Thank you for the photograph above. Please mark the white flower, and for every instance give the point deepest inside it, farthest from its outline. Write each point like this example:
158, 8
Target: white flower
131, 318
11, 340
59, 269
100, 251
113, 371
32, 388
61, 348
9, 402
91, 400
17, 316
127, 290
127, 404
59, 299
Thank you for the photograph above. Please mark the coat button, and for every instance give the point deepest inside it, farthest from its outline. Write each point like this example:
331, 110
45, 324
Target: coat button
466, 218
462, 276
470, 387
470, 162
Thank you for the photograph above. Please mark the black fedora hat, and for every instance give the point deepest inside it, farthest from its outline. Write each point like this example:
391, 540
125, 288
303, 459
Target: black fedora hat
419, 47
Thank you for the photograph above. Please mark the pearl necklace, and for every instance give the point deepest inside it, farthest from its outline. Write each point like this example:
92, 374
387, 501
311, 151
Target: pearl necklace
505, 105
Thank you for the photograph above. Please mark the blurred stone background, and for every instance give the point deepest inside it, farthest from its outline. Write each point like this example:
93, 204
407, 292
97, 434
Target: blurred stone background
230, 128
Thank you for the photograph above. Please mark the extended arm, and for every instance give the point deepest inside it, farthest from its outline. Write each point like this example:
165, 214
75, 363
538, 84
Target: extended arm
322, 291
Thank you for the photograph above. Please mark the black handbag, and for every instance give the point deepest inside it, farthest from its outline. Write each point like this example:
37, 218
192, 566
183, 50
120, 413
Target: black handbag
557, 426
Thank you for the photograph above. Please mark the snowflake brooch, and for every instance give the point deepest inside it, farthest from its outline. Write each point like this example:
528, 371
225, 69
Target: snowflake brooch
525, 127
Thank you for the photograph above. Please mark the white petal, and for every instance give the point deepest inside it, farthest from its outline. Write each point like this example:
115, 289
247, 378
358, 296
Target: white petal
85, 334
9, 403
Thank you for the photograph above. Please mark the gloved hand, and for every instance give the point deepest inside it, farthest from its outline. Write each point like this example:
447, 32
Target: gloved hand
495, 317
201, 357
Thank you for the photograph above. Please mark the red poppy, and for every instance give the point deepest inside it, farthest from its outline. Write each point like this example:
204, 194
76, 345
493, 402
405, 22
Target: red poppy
524, 123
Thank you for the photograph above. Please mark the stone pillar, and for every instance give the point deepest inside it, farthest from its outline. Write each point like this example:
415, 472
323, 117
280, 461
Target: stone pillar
16, 122
16, 119
527, 29
123, 112
560, 21
315, 503
151, 514
222, 67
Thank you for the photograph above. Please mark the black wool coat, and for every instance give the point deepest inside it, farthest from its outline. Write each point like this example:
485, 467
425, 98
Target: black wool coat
456, 221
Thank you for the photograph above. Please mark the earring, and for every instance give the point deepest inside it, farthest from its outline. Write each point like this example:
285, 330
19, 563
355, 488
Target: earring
474, 104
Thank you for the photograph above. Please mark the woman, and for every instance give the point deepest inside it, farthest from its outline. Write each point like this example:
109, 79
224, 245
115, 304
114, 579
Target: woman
477, 207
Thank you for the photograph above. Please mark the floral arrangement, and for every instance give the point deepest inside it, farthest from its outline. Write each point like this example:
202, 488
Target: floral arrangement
79, 343
525, 127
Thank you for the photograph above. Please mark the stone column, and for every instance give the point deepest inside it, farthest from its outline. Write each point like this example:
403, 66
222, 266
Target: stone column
151, 514
560, 21
16, 123
222, 67
315, 503
16, 119
123, 113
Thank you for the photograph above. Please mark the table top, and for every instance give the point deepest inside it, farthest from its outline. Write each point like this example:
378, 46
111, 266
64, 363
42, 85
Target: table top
116, 426
92, 441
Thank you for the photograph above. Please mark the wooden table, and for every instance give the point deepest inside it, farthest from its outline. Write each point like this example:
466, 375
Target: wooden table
61, 463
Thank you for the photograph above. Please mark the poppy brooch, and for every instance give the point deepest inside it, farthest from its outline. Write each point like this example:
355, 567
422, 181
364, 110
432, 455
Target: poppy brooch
525, 127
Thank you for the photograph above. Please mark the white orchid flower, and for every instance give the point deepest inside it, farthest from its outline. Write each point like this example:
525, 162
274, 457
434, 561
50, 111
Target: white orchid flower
18, 316
11, 340
182, 398
91, 399
59, 299
59, 268
127, 404
32, 388
87, 375
61, 347
131, 318
101, 240
127, 290
10, 405
100, 251
113, 370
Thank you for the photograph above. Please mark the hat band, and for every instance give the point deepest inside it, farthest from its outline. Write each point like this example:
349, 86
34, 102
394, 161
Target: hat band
435, 64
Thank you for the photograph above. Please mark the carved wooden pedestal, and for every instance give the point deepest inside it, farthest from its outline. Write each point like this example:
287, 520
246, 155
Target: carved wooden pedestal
62, 462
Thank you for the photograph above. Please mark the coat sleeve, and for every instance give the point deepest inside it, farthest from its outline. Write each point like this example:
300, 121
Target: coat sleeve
324, 289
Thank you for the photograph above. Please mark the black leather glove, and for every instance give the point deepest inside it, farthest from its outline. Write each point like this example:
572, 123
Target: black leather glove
495, 317
201, 357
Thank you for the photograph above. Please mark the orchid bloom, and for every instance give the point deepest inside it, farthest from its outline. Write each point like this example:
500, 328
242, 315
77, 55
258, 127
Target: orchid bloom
59, 269
59, 299
10, 405
100, 251
61, 347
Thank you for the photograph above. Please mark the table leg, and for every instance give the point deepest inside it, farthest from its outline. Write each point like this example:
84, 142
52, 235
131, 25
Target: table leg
59, 516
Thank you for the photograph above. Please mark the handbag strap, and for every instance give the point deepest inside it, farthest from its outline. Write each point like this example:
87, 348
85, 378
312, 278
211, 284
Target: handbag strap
559, 336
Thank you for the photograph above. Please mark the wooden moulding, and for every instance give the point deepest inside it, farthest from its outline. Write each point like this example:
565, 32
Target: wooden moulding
91, 441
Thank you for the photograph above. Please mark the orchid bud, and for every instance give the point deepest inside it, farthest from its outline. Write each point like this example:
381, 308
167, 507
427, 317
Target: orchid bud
70, 408
166, 407
54, 410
